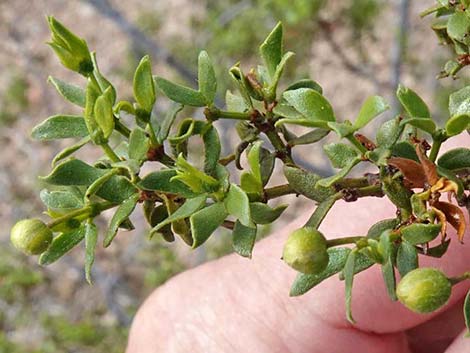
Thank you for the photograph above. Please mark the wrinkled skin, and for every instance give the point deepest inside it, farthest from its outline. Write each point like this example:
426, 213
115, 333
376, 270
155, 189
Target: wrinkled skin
240, 305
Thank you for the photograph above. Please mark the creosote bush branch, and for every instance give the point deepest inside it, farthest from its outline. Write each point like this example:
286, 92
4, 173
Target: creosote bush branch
181, 199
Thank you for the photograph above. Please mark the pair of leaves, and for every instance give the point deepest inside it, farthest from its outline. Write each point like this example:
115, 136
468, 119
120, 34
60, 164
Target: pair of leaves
261, 163
188, 96
275, 60
75, 172
65, 242
417, 110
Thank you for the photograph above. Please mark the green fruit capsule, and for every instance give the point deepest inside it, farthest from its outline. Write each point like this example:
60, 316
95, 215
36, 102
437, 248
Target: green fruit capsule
305, 251
31, 236
424, 290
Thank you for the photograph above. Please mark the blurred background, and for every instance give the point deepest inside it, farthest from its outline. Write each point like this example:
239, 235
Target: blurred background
353, 48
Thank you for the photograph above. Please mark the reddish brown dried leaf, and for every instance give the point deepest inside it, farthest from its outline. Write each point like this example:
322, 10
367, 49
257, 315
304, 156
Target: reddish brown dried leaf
454, 216
411, 170
442, 220
429, 167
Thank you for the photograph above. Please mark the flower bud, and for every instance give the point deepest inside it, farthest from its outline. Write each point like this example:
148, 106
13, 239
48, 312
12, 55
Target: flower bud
424, 290
72, 50
31, 236
305, 250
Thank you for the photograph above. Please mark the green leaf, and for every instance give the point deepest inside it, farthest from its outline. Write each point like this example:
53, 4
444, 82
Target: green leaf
122, 213
72, 172
458, 158
180, 94
184, 211
459, 102
235, 103
457, 124
437, 251
197, 181
103, 111
103, 83
310, 137
167, 122
388, 272
60, 127
305, 183
91, 238
68, 151
206, 78
420, 233
250, 184
304, 282
348, 272
144, 86
98, 183
305, 83
92, 94
138, 144
407, 258
61, 200
278, 73
424, 124
466, 313
185, 131
412, 103
163, 181
261, 163
397, 193
311, 104
212, 149
378, 228
320, 212
406, 150
204, 222
389, 132
327, 182
379, 156
340, 154
342, 129
72, 93
371, 108
116, 189
263, 214
254, 160
271, 49
238, 205
458, 27
62, 244
244, 239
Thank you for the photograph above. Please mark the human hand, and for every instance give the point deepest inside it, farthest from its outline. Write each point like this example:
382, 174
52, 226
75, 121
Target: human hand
239, 305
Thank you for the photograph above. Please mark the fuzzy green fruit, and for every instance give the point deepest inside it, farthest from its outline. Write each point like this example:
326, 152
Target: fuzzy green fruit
424, 290
305, 251
31, 236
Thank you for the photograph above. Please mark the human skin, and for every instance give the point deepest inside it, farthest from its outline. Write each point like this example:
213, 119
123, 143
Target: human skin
239, 305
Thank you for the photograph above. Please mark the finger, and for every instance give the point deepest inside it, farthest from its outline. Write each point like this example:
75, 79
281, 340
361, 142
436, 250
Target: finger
235, 301
238, 305
460, 345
